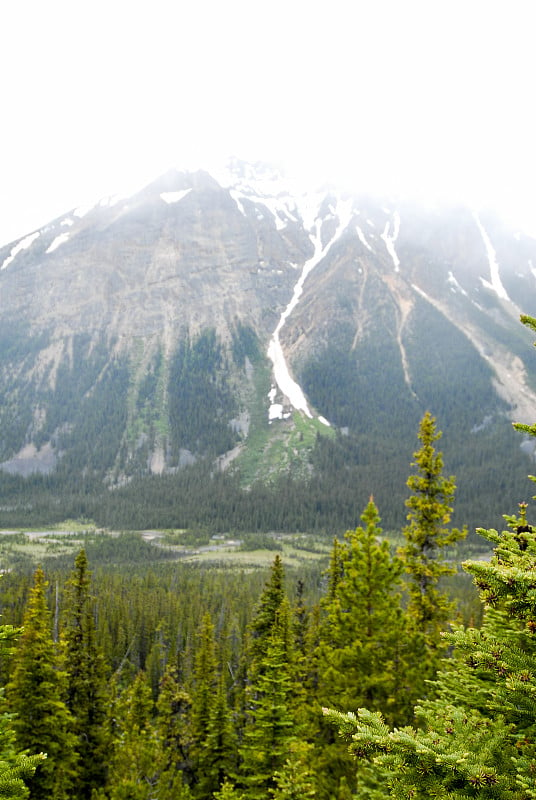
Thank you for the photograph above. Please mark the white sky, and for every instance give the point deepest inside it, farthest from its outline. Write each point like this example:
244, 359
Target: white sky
434, 97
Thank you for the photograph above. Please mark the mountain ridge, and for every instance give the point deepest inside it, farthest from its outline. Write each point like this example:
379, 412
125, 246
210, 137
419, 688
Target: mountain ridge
204, 315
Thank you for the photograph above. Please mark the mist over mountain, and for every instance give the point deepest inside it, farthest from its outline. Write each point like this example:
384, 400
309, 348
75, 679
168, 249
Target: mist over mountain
228, 350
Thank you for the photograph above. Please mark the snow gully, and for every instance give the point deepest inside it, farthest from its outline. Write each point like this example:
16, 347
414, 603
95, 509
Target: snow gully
284, 381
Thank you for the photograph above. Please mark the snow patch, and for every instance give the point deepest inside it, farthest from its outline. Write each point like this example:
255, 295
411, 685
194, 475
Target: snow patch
287, 385
282, 208
110, 201
275, 411
174, 197
67, 222
390, 239
362, 238
455, 286
496, 283
24, 244
82, 211
237, 198
57, 241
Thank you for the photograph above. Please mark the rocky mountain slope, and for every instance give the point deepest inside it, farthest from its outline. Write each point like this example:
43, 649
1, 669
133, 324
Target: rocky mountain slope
234, 319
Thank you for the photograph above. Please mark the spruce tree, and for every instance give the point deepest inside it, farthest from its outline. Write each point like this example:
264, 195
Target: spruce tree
36, 695
362, 635
174, 730
270, 726
87, 694
270, 688
213, 741
296, 779
266, 613
219, 759
16, 768
133, 773
228, 792
204, 680
363, 644
427, 536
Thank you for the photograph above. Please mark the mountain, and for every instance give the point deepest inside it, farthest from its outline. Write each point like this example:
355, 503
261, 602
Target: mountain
230, 335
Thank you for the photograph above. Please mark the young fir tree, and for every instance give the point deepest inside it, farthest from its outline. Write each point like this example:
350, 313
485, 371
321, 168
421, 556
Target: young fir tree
16, 768
362, 652
362, 637
296, 780
255, 639
228, 792
214, 744
270, 726
267, 611
87, 695
219, 759
173, 723
36, 695
427, 536
268, 699
204, 681
133, 759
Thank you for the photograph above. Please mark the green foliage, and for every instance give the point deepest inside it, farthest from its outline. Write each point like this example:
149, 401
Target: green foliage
133, 762
200, 403
204, 688
245, 344
362, 635
175, 737
36, 695
16, 768
86, 686
476, 735
427, 536
362, 653
269, 728
266, 615
296, 779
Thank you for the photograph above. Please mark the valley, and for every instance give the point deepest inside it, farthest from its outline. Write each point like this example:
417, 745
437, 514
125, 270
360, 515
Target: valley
173, 358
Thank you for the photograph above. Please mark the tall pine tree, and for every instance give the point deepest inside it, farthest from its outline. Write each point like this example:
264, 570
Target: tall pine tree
270, 725
36, 695
363, 644
428, 536
87, 695
133, 773
16, 768
175, 738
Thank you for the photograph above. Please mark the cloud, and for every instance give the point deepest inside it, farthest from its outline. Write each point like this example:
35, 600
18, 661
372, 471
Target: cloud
431, 98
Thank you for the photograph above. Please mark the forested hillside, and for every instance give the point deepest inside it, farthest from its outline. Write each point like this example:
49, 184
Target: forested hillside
141, 677
234, 352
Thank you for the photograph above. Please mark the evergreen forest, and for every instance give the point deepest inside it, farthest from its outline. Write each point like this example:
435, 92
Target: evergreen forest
385, 669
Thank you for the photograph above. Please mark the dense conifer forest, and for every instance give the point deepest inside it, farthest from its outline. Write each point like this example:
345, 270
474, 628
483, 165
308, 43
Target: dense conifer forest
130, 675
105, 437
142, 677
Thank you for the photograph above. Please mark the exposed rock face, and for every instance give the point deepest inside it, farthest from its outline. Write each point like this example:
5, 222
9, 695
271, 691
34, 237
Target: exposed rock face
100, 300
